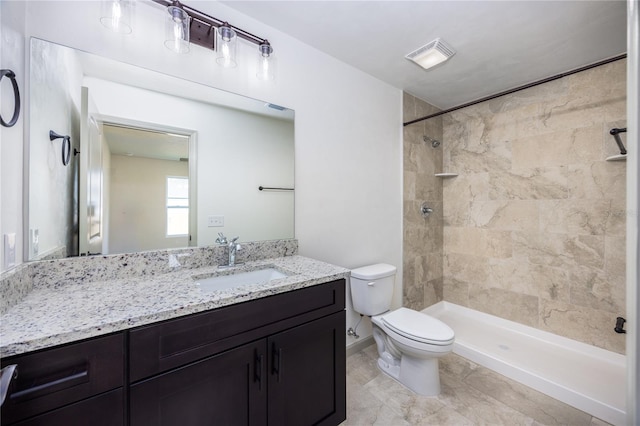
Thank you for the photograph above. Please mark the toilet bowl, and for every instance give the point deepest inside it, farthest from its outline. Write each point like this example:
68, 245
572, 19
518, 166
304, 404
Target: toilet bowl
409, 342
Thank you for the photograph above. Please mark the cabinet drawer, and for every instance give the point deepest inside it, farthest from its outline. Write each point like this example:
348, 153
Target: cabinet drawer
161, 347
102, 410
55, 377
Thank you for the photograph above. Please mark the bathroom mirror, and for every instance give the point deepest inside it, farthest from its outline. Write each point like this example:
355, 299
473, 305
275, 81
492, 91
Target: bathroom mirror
154, 161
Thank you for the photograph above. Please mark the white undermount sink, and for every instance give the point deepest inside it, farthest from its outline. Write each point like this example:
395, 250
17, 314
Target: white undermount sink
238, 279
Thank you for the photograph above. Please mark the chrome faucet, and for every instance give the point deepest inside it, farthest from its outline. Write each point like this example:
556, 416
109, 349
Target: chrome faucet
231, 245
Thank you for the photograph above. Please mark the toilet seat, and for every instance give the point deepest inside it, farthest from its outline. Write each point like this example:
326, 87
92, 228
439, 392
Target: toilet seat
418, 327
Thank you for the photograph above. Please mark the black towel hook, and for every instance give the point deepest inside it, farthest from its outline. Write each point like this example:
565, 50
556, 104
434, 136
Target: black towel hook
66, 146
16, 94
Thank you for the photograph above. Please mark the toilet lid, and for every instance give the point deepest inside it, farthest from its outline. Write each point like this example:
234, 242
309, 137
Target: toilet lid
417, 326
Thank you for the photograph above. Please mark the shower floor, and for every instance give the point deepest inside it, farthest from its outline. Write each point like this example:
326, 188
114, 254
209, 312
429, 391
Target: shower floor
584, 376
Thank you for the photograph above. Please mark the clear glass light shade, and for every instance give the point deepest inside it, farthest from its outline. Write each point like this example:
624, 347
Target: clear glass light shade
266, 68
116, 15
227, 44
177, 30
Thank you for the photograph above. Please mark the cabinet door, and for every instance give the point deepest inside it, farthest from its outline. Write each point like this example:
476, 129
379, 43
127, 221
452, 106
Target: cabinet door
307, 373
226, 389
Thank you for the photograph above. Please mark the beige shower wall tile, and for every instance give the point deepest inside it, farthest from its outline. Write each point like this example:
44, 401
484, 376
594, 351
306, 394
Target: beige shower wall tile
560, 250
576, 113
413, 296
477, 241
409, 186
433, 292
588, 325
415, 154
429, 266
467, 268
575, 216
467, 187
617, 221
421, 240
455, 291
506, 304
456, 212
479, 157
615, 256
409, 107
516, 215
533, 96
600, 179
563, 147
428, 186
511, 274
594, 288
424, 108
603, 82
552, 283
462, 127
529, 184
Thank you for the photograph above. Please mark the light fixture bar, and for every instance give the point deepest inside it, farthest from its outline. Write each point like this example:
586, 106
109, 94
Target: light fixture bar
203, 26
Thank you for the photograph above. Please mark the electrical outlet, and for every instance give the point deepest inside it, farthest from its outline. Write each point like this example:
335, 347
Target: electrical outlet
9, 250
215, 221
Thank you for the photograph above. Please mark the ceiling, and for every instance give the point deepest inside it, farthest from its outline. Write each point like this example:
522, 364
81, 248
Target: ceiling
134, 142
500, 44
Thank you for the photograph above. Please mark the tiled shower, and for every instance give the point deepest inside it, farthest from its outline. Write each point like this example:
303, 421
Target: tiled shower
533, 227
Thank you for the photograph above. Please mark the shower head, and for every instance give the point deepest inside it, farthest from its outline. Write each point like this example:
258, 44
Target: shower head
434, 142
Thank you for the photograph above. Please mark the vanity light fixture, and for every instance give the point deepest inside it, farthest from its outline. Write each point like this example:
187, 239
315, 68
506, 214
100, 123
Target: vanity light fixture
431, 54
116, 15
177, 29
227, 39
215, 34
266, 62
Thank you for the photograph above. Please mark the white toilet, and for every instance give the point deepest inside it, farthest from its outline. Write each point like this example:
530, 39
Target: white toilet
409, 342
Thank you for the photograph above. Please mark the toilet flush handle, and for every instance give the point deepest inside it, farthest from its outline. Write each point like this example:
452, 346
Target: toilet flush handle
371, 284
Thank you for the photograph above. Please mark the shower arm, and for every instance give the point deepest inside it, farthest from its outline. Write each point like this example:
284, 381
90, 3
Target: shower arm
615, 132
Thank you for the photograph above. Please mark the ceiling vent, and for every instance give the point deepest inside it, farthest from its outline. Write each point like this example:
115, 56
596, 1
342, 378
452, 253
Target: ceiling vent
431, 54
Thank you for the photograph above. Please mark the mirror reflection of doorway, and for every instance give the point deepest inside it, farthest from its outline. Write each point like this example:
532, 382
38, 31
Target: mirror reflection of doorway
147, 189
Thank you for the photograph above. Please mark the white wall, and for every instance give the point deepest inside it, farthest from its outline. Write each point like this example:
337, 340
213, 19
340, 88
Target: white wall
11, 138
348, 206
54, 107
137, 203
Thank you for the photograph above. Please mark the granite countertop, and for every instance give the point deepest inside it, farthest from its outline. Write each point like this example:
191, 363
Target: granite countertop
48, 317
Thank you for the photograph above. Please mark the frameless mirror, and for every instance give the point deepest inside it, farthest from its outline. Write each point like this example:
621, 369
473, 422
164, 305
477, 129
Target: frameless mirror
152, 161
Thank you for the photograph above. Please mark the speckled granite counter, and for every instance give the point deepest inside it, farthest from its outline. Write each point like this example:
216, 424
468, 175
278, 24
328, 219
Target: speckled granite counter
51, 315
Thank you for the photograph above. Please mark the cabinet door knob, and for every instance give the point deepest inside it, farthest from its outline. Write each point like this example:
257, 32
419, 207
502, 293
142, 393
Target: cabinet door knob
6, 375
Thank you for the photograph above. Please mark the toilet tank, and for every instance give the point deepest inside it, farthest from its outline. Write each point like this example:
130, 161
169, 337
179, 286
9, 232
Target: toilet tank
372, 288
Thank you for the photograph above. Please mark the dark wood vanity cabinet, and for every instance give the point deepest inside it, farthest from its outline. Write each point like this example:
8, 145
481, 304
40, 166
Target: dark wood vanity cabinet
285, 364
277, 360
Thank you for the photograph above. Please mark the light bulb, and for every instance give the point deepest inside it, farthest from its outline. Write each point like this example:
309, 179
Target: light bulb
116, 15
226, 46
177, 30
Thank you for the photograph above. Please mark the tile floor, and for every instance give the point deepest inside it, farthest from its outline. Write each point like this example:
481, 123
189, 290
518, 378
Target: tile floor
471, 395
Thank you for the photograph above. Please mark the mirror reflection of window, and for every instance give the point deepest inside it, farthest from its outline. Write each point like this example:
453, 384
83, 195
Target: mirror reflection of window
177, 206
